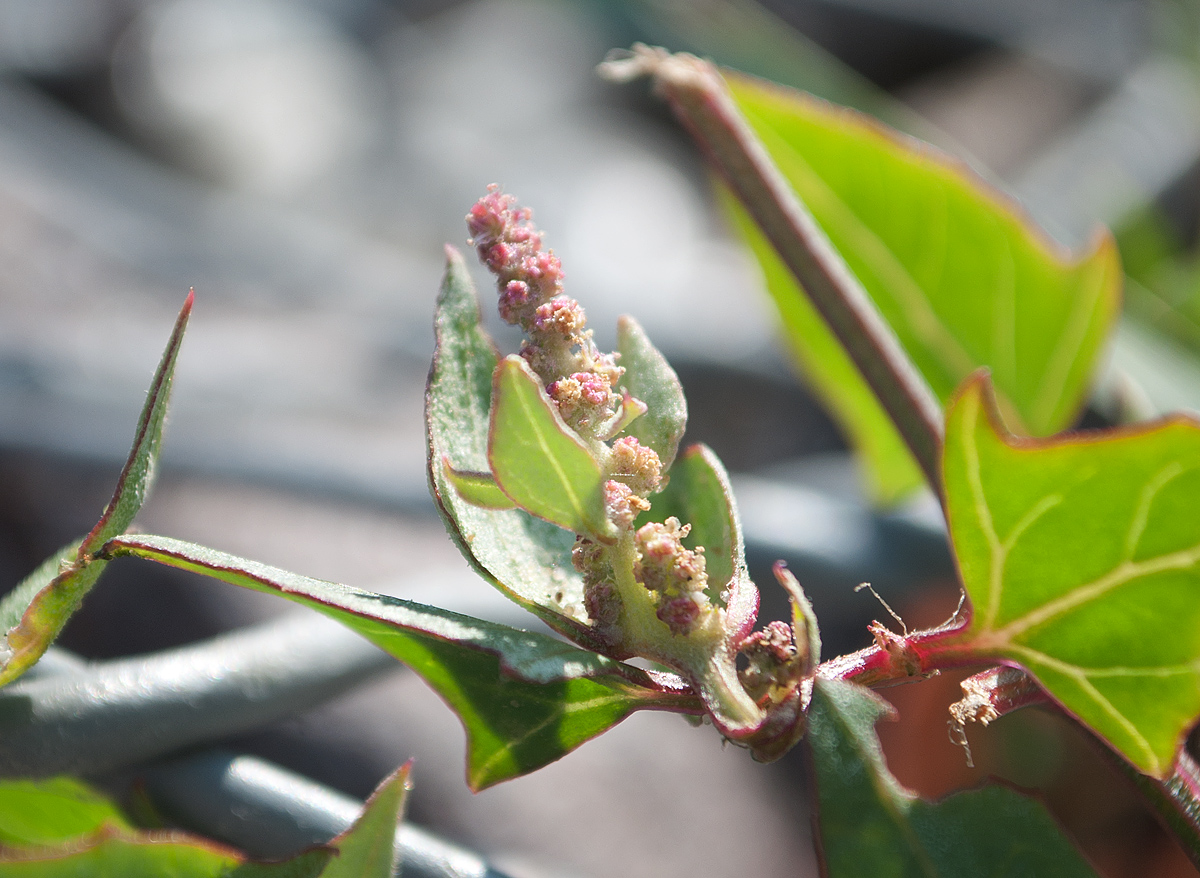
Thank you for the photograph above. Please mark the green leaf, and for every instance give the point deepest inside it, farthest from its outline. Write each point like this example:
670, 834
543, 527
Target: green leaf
524, 699
650, 378
368, 848
1080, 558
133, 485
36, 611
828, 369
16, 602
45, 811
870, 825
958, 271
162, 855
478, 489
61, 828
699, 493
538, 460
528, 559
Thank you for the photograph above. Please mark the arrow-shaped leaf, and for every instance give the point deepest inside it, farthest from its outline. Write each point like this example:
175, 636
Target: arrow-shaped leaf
1080, 556
35, 612
650, 378
525, 699
527, 558
870, 825
538, 460
961, 275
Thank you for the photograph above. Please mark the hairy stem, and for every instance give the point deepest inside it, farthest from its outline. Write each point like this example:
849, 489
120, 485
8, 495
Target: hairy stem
698, 95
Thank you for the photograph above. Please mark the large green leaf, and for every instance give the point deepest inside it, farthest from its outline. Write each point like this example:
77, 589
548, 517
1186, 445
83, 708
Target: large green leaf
525, 557
1080, 558
958, 271
524, 699
538, 460
650, 378
36, 611
870, 825
61, 828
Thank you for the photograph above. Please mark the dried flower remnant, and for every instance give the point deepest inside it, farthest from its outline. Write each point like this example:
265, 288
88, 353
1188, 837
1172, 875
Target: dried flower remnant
770, 652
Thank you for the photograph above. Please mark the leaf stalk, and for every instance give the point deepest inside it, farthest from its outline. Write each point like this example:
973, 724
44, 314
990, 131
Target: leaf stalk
700, 99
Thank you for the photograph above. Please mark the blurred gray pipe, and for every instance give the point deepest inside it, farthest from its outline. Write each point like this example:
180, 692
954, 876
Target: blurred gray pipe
263, 809
119, 713
270, 812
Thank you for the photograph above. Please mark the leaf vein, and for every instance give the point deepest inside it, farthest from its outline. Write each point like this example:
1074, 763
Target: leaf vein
1142, 513
563, 710
1081, 677
1125, 572
548, 455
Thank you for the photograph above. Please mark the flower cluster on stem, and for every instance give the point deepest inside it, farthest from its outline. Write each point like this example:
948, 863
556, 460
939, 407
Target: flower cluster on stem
645, 593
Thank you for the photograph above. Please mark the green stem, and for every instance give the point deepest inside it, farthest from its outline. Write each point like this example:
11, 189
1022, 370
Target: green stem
701, 655
698, 95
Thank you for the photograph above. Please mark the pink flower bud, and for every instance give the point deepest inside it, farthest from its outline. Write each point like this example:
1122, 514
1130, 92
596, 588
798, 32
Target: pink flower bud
621, 504
566, 394
679, 612
513, 299
560, 315
664, 564
636, 465
603, 604
593, 389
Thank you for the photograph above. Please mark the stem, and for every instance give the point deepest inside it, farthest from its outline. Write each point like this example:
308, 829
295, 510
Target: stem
895, 658
698, 95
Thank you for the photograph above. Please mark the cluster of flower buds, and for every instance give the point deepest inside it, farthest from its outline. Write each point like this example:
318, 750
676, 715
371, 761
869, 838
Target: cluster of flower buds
583, 384
645, 592
581, 380
674, 574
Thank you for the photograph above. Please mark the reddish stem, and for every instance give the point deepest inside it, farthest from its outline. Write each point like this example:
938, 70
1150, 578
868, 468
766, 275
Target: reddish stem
894, 658
702, 102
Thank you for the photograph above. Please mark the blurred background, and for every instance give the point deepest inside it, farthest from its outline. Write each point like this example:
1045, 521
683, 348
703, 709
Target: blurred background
300, 163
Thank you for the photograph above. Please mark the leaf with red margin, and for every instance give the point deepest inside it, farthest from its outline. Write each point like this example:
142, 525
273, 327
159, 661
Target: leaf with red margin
962, 275
526, 558
1081, 557
33, 614
524, 699
61, 827
368, 848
